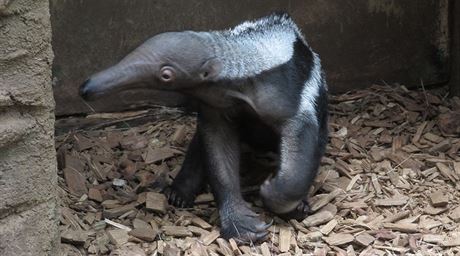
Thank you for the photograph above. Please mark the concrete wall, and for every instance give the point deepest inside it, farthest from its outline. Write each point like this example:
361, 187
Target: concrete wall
360, 41
454, 81
28, 178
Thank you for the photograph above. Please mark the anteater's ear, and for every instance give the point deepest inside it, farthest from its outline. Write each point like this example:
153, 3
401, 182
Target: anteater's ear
210, 69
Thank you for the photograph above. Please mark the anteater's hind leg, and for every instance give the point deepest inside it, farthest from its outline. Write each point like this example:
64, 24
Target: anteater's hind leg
190, 180
301, 151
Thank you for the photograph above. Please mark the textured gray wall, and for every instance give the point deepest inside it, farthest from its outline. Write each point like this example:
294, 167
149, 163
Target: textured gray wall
454, 81
360, 41
28, 178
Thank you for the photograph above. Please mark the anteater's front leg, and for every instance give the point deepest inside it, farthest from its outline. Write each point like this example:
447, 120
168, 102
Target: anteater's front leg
222, 161
191, 178
301, 152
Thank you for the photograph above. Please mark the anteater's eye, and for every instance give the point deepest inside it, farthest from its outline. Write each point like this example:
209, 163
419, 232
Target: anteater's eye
167, 74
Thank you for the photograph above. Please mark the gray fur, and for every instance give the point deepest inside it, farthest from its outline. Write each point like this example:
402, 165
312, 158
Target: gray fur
253, 46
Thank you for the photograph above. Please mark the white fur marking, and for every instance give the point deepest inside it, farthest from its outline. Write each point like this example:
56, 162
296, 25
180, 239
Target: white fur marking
256, 46
307, 109
311, 90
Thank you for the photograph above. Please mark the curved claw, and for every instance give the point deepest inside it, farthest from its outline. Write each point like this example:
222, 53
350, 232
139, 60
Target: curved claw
270, 223
262, 236
257, 237
245, 227
177, 199
299, 213
172, 197
265, 226
252, 238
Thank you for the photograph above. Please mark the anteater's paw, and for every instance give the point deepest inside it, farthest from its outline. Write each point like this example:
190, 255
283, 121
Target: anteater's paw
299, 213
273, 199
287, 207
245, 227
178, 198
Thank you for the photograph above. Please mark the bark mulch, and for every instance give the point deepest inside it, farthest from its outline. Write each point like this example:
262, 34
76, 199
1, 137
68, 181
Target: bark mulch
388, 185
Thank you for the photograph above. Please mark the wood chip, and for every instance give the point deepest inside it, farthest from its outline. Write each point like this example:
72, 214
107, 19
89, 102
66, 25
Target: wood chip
434, 210
433, 238
432, 137
344, 168
118, 211
285, 254
442, 146
264, 249
314, 236
146, 234
455, 214
224, 246
75, 181
146, 178
204, 198
419, 132
234, 247
329, 208
118, 236
439, 199
133, 142
388, 183
138, 223
95, 194
364, 239
326, 229
451, 242
201, 223
396, 201
397, 216
352, 205
118, 225
211, 237
352, 182
82, 142
156, 202
324, 200
449, 122
176, 231
179, 135
403, 227
298, 226
376, 184
384, 234
197, 230
284, 239
447, 172
171, 250
428, 223
457, 168
76, 237
392, 248
158, 154
318, 218
339, 239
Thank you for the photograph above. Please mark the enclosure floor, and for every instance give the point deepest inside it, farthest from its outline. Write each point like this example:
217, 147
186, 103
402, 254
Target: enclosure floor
388, 185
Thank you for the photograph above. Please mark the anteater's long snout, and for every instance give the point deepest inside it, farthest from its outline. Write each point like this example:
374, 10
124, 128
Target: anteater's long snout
115, 78
136, 69
104, 82
85, 91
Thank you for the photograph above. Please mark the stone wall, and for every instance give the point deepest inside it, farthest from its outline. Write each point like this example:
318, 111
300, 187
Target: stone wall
28, 178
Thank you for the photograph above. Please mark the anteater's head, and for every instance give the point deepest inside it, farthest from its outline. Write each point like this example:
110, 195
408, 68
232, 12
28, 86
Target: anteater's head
168, 61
